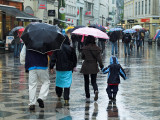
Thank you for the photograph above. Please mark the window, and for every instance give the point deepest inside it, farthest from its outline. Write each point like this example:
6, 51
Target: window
136, 9
145, 6
112, 1
149, 6
142, 7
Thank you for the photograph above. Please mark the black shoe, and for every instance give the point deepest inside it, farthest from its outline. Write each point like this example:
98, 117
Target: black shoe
32, 107
96, 96
41, 104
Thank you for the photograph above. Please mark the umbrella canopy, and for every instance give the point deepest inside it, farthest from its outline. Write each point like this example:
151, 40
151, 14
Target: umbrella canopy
15, 29
157, 35
42, 37
129, 31
98, 27
71, 30
91, 31
137, 27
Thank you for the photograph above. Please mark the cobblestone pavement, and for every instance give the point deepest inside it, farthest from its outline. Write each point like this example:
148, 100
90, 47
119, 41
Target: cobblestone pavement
138, 97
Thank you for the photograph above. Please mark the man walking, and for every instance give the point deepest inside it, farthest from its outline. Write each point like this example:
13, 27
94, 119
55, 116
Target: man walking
37, 64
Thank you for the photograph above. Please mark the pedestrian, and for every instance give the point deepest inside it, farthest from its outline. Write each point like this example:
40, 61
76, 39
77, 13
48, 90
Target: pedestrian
91, 54
16, 42
138, 39
113, 40
126, 40
101, 44
114, 70
37, 65
65, 60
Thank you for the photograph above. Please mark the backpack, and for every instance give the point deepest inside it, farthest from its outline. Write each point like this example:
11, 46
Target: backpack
126, 38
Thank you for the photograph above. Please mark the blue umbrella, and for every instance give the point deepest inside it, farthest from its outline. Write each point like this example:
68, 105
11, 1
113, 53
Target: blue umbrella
129, 31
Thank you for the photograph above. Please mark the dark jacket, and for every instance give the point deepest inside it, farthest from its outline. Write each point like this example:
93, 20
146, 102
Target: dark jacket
35, 59
114, 70
113, 37
91, 55
126, 38
65, 59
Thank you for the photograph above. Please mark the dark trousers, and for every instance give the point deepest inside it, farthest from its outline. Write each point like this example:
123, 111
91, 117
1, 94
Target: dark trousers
93, 82
65, 94
112, 91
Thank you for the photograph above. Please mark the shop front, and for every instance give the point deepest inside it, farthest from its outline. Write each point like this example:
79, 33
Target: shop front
11, 17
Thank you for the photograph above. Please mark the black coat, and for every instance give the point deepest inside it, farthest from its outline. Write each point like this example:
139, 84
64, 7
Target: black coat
65, 59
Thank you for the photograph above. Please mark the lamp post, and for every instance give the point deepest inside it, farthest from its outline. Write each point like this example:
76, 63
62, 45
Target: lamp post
102, 19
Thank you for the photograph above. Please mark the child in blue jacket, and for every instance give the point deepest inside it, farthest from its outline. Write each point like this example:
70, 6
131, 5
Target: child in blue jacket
114, 70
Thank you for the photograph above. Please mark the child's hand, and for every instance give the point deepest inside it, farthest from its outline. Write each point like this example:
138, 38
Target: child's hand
125, 78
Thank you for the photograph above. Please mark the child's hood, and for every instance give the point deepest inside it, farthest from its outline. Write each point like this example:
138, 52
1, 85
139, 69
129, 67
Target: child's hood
113, 60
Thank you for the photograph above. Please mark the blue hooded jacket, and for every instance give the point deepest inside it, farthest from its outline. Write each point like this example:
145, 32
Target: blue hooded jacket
114, 70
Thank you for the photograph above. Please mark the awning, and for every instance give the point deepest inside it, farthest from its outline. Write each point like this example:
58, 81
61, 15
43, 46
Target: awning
19, 15
63, 21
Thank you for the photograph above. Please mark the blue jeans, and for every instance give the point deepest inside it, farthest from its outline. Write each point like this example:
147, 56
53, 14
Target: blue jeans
126, 46
16, 49
114, 47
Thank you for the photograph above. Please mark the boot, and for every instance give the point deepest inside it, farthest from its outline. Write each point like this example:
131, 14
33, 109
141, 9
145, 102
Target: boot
66, 102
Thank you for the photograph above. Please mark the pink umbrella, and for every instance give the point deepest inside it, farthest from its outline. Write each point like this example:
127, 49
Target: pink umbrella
85, 31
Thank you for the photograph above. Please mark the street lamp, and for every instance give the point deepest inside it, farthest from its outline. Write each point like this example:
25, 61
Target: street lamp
102, 19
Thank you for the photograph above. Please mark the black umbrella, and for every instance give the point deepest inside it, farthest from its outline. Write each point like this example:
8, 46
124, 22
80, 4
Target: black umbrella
42, 37
98, 27
76, 27
15, 29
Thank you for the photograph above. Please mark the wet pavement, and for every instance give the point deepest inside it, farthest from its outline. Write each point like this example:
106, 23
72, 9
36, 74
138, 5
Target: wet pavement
138, 97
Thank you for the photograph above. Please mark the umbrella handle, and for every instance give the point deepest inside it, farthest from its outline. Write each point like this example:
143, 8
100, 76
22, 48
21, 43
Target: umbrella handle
82, 40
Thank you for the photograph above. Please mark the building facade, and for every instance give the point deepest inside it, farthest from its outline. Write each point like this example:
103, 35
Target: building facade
142, 12
112, 13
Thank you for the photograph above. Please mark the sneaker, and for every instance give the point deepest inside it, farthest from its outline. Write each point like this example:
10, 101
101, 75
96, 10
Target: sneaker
41, 104
32, 107
96, 96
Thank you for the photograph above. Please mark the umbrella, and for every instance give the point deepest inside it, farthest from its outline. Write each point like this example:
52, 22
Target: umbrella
71, 30
157, 35
42, 37
15, 29
137, 27
129, 31
98, 27
85, 31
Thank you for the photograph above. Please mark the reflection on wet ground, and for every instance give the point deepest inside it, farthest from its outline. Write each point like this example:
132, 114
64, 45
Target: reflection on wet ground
138, 97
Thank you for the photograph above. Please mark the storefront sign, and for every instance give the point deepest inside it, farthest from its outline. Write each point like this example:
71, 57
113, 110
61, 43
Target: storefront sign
130, 21
145, 20
51, 13
42, 4
62, 10
9, 39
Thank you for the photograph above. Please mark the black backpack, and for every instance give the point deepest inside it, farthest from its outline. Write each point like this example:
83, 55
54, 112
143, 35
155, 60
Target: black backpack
127, 38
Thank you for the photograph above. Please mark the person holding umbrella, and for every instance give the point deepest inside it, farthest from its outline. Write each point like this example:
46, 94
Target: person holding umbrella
65, 60
91, 54
40, 39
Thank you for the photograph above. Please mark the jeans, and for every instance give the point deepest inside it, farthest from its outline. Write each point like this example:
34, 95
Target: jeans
126, 46
139, 44
66, 92
112, 90
93, 82
114, 47
16, 49
101, 44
